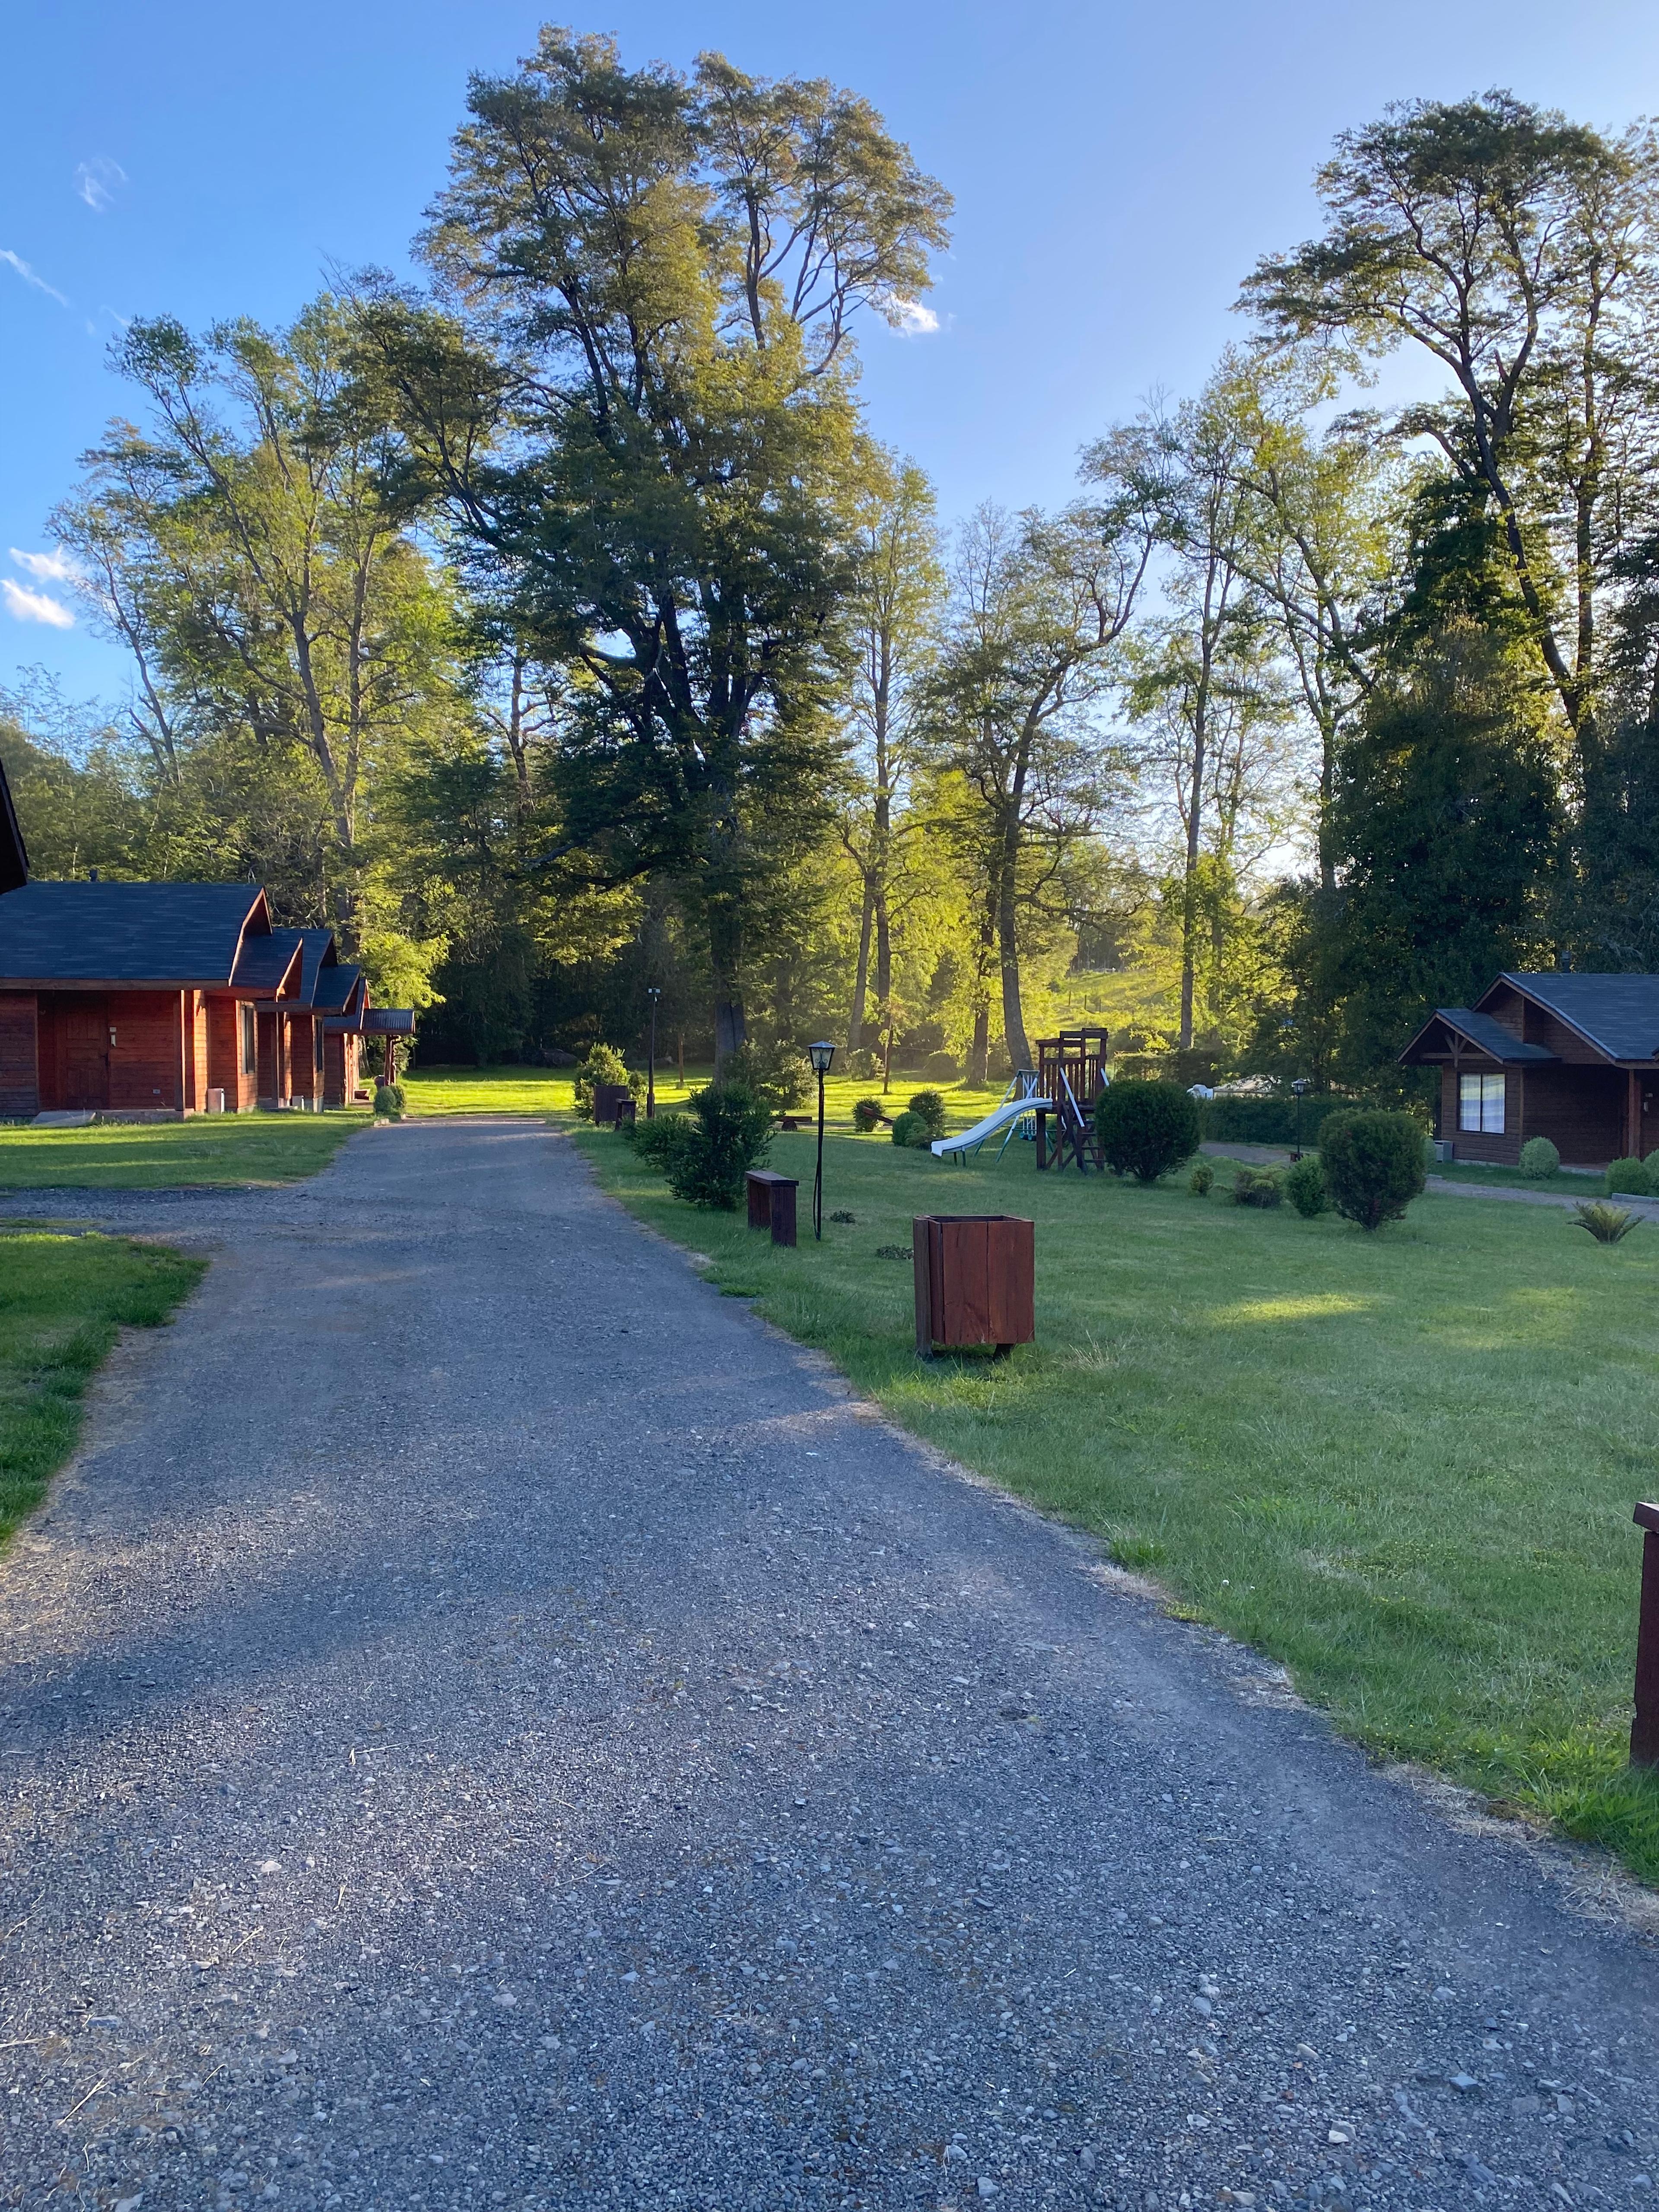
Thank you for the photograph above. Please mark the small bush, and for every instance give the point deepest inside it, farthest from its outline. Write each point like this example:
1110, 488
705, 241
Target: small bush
1268, 1121
655, 1140
1651, 1164
1304, 1186
727, 1131
862, 1064
931, 1107
1373, 1164
941, 1068
389, 1100
1538, 1159
1146, 1129
604, 1064
780, 1074
1201, 1181
1257, 1186
1606, 1224
1628, 1177
867, 1115
909, 1129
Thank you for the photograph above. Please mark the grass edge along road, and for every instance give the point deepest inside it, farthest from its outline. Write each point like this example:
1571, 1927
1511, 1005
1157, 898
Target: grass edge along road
1403, 1465
209, 1151
62, 1301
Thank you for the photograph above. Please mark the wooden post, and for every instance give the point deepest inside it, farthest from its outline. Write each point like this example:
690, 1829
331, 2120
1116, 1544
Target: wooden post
1644, 1728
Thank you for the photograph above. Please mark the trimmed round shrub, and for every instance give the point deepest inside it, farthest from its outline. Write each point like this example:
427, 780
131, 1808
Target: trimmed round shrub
1201, 1181
1630, 1177
1373, 1164
1146, 1129
867, 1115
930, 1104
1651, 1164
389, 1100
1257, 1186
604, 1064
1538, 1159
727, 1131
1304, 1186
909, 1129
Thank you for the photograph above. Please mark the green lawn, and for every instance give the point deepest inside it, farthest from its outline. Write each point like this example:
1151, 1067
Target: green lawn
61, 1299
1402, 1464
229, 1148
551, 1092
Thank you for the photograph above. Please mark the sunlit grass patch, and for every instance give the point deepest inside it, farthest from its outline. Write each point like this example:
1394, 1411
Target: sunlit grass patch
209, 1149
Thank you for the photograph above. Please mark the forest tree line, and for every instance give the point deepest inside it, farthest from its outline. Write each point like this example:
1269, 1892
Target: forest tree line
560, 626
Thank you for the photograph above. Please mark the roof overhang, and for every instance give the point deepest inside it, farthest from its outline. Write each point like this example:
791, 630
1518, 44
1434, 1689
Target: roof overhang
1453, 1035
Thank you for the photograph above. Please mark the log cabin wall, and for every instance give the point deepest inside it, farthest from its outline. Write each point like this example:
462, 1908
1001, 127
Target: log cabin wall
1581, 1109
20, 1071
1493, 1147
117, 1052
225, 1069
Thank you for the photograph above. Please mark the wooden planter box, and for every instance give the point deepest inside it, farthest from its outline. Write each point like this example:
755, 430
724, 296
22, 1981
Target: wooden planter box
975, 1280
607, 1103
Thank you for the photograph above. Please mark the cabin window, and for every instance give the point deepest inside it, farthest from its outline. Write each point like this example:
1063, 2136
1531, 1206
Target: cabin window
1480, 1104
250, 1042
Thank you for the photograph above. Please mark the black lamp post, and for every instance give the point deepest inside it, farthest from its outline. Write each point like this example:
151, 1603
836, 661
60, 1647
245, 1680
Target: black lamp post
654, 992
1299, 1087
820, 1056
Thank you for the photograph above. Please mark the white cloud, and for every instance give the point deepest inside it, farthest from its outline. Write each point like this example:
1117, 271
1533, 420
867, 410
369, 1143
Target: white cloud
34, 606
47, 568
911, 320
17, 262
98, 181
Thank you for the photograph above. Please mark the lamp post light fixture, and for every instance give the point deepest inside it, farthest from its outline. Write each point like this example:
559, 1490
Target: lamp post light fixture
654, 992
1300, 1087
820, 1056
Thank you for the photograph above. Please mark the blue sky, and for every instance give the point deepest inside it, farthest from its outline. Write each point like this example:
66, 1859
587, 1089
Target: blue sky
1116, 169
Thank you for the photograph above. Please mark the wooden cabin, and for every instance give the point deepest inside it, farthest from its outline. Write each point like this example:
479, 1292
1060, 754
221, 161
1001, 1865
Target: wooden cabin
1564, 1055
164, 999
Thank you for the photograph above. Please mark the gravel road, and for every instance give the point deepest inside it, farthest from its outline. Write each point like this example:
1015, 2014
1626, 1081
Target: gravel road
486, 1722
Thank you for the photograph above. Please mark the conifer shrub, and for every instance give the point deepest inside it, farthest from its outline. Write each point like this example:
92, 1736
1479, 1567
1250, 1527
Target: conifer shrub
867, 1115
1538, 1159
1304, 1186
727, 1131
930, 1104
389, 1100
779, 1073
1373, 1164
1201, 1181
603, 1063
1630, 1178
1257, 1186
1146, 1129
909, 1129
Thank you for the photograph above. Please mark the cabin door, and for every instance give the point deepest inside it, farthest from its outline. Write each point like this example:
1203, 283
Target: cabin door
83, 1051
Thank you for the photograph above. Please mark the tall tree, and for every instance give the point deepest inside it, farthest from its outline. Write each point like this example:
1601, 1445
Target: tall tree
637, 402
893, 617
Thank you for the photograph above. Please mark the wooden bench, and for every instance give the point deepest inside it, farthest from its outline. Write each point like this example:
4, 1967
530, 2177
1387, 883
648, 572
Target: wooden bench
772, 1203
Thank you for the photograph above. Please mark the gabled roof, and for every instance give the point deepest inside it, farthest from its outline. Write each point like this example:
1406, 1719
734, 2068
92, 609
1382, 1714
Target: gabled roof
269, 965
14, 858
1481, 1030
339, 990
169, 935
1618, 1014
317, 949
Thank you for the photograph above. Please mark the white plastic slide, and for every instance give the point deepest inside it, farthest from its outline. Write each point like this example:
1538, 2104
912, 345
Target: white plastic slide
1000, 1117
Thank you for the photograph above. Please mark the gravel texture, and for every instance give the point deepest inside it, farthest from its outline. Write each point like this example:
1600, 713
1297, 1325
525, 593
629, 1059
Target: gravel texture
486, 1722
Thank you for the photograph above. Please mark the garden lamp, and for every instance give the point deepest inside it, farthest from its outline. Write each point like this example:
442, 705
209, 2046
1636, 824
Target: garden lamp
820, 1054
654, 992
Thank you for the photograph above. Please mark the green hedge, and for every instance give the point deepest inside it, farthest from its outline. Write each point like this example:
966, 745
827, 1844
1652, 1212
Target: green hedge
1264, 1120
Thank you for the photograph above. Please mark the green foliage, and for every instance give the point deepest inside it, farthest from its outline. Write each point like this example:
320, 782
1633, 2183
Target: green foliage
655, 1140
780, 1073
1628, 1176
1651, 1164
603, 1063
1201, 1181
1258, 1187
1266, 1120
1304, 1186
1146, 1129
1373, 1166
1538, 1159
867, 1115
911, 1130
389, 1102
1608, 1224
930, 1105
726, 1132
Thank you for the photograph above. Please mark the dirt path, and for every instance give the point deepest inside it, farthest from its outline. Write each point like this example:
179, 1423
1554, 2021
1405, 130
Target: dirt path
488, 1723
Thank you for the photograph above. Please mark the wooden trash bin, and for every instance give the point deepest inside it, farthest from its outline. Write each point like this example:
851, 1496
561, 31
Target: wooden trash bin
627, 1111
607, 1103
975, 1280
772, 1203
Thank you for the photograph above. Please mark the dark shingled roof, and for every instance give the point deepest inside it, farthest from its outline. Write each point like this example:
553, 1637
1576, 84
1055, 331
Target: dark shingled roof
1618, 1013
169, 934
336, 987
1490, 1036
317, 947
265, 962
389, 1021
14, 858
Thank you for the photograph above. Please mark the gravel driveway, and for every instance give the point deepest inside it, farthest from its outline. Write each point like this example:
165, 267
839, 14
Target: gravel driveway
486, 1722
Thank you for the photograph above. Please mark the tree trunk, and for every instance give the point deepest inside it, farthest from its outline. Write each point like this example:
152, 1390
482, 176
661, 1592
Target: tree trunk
1013, 1015
726, 959
979, 1051
861, 979
883, 946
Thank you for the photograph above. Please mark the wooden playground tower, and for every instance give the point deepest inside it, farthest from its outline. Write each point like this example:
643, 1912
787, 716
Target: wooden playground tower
1071, 1074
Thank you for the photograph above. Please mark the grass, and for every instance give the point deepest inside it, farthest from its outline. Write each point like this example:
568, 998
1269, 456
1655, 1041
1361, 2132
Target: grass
209, 1149
550, 1092
1402, 1464
61, 1299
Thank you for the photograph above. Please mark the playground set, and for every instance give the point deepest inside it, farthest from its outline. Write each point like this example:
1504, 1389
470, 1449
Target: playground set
1070, 1075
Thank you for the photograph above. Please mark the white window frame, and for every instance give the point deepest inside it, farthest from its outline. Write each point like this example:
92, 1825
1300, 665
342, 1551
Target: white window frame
248, 1043
1481, 1098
